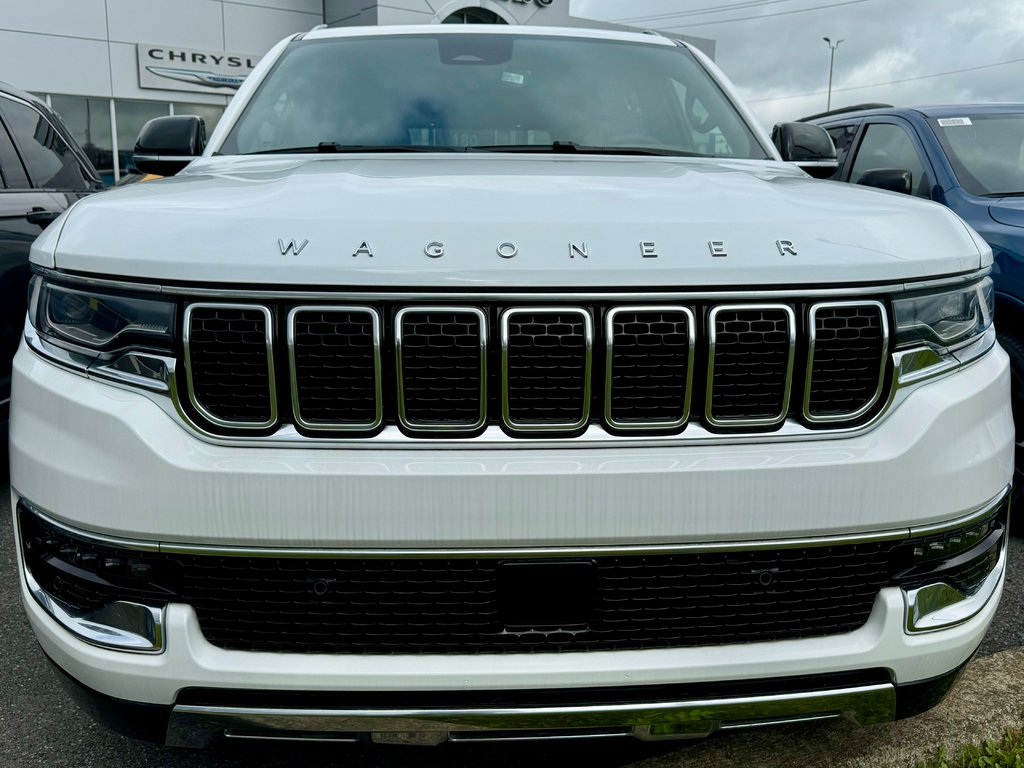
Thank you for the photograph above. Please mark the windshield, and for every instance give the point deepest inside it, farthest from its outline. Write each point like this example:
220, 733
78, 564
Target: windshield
985, 151
489, 92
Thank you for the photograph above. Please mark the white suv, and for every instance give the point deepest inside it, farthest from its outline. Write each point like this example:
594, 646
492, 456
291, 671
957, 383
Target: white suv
502, 382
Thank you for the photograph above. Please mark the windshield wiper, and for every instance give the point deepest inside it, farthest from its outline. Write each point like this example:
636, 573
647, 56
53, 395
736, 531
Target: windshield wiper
1005, 194
332, 147
572, 148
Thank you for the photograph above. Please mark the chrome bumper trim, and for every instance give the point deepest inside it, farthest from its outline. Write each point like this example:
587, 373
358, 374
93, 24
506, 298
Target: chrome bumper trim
121, 625
198, 726
623, 550
941, 606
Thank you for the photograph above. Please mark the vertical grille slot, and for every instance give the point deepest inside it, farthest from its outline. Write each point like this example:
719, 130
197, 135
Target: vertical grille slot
750, 364
846, 360
442, 368
546, 362
649, 376
229, 362
334, 357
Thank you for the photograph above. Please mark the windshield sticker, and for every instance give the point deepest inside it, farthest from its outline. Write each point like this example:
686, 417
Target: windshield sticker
950, 122
513, 77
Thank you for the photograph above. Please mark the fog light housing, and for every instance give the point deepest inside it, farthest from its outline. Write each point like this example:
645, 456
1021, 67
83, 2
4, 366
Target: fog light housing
107, 597
950, 576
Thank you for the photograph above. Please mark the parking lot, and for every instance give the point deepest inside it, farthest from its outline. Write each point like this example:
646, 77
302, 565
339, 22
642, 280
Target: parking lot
40, 726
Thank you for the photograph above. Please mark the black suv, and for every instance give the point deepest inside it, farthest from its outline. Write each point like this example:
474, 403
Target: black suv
42, 172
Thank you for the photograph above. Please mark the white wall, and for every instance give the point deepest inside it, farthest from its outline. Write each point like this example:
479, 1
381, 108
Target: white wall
87, 47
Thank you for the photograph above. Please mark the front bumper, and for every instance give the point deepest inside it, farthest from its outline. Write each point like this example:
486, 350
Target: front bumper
109, 461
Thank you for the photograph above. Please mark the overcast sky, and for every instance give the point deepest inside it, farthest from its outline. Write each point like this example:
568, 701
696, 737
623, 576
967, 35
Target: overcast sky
773, 49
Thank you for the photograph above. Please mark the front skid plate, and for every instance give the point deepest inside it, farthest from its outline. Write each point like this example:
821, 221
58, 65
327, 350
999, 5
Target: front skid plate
199, 726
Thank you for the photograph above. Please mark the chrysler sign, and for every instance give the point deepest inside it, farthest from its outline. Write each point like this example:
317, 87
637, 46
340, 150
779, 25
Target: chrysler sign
187, 69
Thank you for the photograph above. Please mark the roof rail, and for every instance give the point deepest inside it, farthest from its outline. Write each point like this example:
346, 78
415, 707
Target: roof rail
844, 110
314, 29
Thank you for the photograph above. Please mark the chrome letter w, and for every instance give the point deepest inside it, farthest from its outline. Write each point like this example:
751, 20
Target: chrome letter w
291, 246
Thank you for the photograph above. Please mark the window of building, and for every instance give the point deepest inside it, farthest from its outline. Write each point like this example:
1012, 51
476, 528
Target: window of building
51, 162
474, 16
211, 113
88, 120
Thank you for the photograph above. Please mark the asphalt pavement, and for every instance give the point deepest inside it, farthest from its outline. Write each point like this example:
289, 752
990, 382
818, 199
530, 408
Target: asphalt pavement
40, 726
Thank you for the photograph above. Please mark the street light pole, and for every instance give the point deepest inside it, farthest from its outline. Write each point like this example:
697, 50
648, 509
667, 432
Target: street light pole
831, 65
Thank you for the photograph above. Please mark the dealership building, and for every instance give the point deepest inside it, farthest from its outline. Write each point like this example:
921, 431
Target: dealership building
108, 66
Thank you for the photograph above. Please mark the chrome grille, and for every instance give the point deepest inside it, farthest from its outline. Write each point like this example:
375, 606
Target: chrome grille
441, 354
438, 370
229, 357
545, 367
650, 352
846, 359
750, 364
335, 363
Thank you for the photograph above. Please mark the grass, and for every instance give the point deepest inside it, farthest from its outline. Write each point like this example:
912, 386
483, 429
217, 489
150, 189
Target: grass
1006, 753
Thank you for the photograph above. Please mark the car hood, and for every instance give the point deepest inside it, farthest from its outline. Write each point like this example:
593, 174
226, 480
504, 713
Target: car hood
370, 221
1008, 210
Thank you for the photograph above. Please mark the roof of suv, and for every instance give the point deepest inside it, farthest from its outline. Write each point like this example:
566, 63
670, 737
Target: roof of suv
938, 110
489, 29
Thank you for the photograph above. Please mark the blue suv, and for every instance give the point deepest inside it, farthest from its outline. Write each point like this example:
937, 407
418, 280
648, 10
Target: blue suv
967, 157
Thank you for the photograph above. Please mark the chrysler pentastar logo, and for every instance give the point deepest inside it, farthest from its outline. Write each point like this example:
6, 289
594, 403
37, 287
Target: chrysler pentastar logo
509, 250
199, 77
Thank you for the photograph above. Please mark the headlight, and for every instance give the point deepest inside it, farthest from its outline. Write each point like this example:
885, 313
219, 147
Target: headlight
947, 319
90, 320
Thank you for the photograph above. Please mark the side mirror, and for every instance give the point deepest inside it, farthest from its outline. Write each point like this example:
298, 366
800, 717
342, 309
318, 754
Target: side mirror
892, 179
167, 144
807, 146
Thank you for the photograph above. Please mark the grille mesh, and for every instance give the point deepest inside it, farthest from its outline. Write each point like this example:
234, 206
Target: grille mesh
547, 367
848, 345
335, 367
751, 358
441, 367
452, 606
228, 363
476, 605
537, 380
649, 366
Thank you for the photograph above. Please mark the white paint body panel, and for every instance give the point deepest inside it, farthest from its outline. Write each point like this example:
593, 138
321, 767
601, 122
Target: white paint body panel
190, 661
111, 461
237, 209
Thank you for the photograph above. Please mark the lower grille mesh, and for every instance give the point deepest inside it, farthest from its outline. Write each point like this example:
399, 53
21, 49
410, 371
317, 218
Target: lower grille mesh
416, 605
453, 606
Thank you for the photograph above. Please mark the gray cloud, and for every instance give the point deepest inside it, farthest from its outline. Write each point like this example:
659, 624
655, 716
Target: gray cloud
780, 62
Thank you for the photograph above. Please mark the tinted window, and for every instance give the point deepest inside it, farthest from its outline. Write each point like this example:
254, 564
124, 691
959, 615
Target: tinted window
51, 163
986, 152
12, 173
889, 146
473, 90
842, 137
88, 120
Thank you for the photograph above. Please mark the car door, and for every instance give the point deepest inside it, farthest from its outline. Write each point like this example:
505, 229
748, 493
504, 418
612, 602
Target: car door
40, 175
843, 136
890, 142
